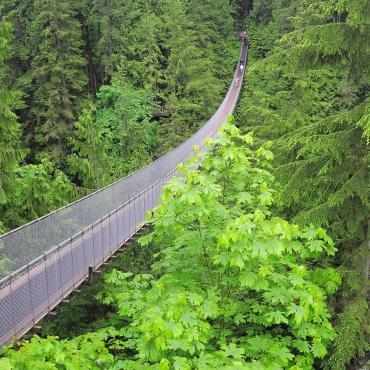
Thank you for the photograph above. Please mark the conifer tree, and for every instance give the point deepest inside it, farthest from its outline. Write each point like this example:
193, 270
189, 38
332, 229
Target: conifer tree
215, 34
57, 73
191, 86
38, 189
310, 94
19, 13
106, 20
89, 161
142, 59
10, 153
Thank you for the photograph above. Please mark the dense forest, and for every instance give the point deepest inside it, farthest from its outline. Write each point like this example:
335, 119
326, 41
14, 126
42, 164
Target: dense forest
258, 255
92, 90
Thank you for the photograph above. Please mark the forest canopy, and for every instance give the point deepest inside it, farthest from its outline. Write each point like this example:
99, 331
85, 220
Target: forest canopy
93, 90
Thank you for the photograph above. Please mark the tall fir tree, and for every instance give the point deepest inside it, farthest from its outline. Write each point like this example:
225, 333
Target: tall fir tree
19, 13
10, 153
191, 87
58, 74
106, 20
142, 61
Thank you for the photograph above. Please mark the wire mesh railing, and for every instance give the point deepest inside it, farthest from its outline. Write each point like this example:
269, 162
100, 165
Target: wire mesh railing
45, 260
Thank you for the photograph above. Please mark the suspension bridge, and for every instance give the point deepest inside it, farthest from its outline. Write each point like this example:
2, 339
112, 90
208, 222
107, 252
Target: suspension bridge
44, 261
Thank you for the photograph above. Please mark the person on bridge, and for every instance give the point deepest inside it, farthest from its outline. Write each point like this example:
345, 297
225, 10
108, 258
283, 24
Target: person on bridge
241, 67
245, 38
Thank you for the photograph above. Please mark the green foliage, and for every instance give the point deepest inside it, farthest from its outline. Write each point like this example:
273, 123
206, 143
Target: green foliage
89, 161
37, 189
141, 59
353, 331
57, 72
351, 340
335, 33
234, 283
81, 353
192, 87
123, 119
155, 71
106, 18
234, 286
30, 191
10, 153
115, 138
192, 82
310, 95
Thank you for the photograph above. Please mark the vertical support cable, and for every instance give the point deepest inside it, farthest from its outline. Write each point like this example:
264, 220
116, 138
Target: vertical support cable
13, 305
30, 293
142, 210
146, 202
123, 223
46, 279
72, 259
93, 242
110, 233
102, 240
135, 213
151, 203
129, 219
61, 273
117, 241
83, 249
90, 277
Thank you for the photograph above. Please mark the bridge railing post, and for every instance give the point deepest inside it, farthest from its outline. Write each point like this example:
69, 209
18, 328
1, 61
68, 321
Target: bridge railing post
83, 250
30, 292
102, 241
92, 232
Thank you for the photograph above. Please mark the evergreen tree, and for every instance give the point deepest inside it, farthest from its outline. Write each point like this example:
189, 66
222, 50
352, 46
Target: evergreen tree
106, 20
19, 13
215, 35
37, 190
10, 153
310, 95
27, 191
191, 86
142, 61
57, 73
89, 161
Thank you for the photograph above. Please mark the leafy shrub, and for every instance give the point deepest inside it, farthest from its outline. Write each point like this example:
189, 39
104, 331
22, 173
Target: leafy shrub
234, 287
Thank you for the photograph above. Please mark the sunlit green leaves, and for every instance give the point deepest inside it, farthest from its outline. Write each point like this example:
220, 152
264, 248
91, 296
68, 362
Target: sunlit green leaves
85, 352
319, 350
226, 266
